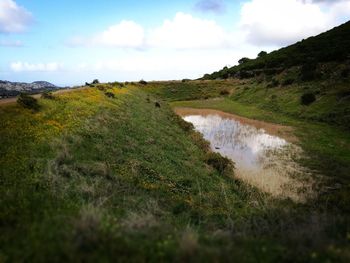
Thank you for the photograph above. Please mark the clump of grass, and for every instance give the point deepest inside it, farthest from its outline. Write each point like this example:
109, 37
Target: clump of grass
184, 125
102, 88
220, 163
138, 221
196, 137
224, 92
110, 94
198, 140
28, 102
47, 95
87, 227
188, 242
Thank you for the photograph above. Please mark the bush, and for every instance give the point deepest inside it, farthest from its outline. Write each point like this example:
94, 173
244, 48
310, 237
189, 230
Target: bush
308, 98
243, 60
110, 94
220, 163
224, 92
262, 54
96, 81
142, 82
48, 95
28, 102
102, 88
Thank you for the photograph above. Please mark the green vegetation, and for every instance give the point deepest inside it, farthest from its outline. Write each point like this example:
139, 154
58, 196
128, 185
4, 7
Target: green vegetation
307, 98
28, 102
310, 54
48, 95
93, 178
110, 172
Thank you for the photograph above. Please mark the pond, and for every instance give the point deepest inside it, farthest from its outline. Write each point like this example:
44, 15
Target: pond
264, 154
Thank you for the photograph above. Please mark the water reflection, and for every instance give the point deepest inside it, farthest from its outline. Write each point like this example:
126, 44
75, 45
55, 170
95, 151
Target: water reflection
244, 144
261, 159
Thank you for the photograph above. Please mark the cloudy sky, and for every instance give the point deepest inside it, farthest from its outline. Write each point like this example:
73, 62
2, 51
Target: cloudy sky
69, 42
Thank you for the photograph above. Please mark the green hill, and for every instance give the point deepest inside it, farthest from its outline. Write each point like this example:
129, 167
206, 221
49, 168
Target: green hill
331, 46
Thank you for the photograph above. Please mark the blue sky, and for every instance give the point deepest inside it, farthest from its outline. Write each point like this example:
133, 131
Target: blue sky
70, 42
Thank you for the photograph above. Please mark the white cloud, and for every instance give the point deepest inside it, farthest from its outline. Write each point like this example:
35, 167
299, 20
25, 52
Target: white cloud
13, 18
188, 32
276, 22
40, 67
182, 32
126, 34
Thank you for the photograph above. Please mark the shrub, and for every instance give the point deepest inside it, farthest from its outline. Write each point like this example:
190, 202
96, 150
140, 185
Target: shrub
262, 54
96, 81
48, 95
224, 92
308, 98
243, 60
220, 163
110, 94
28, 102
142, 82
101, 88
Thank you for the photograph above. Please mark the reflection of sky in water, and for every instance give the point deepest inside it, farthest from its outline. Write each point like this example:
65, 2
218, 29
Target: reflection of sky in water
246, 145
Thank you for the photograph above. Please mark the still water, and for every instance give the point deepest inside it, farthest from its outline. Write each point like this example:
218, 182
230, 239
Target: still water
261, 157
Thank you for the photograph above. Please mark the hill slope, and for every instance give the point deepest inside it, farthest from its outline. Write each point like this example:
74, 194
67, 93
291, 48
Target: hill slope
331, 46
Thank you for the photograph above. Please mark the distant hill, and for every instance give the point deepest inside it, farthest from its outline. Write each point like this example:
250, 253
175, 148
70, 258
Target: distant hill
10, 89
331, 46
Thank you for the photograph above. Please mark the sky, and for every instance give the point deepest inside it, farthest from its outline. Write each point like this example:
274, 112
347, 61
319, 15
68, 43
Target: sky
70, 42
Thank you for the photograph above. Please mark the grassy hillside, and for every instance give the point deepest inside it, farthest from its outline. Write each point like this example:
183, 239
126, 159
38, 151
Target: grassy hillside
331, 105
307, 57
92, 176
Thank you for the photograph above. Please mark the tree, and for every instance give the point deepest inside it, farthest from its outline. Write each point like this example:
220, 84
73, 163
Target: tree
243, 60
95, 81
262, 54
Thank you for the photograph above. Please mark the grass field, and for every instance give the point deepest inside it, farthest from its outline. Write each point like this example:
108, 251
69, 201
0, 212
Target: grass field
91, 177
